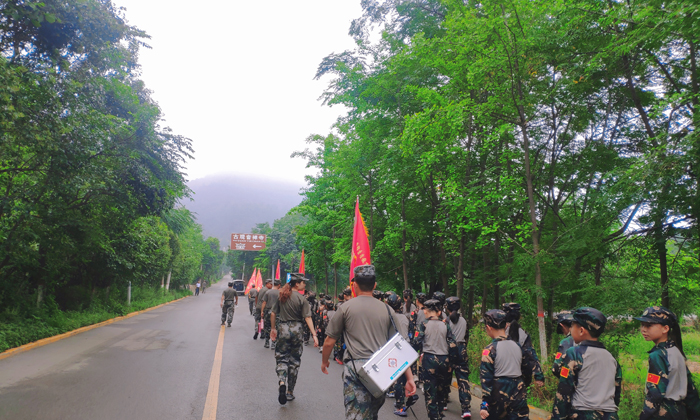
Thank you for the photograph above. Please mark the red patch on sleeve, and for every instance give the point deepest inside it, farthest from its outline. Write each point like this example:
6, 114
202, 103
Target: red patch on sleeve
654, 379
564, 372
558, 356
485, 352
416, 333
413, 313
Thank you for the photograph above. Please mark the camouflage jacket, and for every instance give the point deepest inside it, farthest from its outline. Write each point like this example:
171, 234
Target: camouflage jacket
571, 364
532, 358
657, 383
564, 345
487, 369
413, 329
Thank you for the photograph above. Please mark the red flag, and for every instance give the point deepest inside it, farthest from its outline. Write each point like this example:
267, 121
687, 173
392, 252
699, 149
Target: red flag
302, 268
277, 274
258, 280
360, 243
251, 283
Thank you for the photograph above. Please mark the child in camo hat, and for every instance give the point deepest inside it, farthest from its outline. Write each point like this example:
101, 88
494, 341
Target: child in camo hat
590, 378
671, 393
564, 320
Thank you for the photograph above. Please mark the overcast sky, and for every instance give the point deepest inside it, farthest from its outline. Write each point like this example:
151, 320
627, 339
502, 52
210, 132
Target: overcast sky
237, 77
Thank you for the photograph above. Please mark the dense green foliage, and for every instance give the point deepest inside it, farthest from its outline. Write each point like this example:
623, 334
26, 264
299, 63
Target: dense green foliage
89, 179
543, 152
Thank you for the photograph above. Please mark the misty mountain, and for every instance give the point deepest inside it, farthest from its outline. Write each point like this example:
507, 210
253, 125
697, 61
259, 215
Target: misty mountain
231, 203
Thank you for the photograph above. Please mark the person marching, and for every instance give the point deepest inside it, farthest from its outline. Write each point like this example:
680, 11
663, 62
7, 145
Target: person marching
459, 328
516, 333
670, 392
417, 317
228, 297
505, 370
287, 316
258, 308
367, 325
252, 296
434, 339
564, 320
590, 378
395, 303
269, 301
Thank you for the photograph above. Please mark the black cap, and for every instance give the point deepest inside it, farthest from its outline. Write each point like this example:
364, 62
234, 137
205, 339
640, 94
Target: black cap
421, 297
275, 282
347, 292
433, 305
408, 294
268, 281
511, 306
453, 303
658, 315
440, 297
495, 318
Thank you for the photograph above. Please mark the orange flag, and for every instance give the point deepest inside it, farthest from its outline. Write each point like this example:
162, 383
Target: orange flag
360, 243
258, 281
251, 283
302, 267
277, 274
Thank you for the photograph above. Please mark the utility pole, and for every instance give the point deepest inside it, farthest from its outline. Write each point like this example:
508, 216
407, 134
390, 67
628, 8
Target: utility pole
243, 275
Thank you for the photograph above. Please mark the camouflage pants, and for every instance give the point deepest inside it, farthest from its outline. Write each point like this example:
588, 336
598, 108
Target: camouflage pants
462, 376
436, 373
267, 326
400, 392
509, 399
251, 306
227, 312
596, 415
288, 352
258, 317
360, 404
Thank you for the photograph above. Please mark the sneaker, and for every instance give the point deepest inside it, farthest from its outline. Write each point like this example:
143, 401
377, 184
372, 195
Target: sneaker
222, 324
444, 408
272, 346
467, 415
282, 394
267, 345
340, 362
306, 343
290, 397
390, 394
401, 412
320, 350
229, 325
255, 336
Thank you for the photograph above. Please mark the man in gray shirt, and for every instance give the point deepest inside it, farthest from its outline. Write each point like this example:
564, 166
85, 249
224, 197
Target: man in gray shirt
258, 304
268, 303
366, 326
252, 295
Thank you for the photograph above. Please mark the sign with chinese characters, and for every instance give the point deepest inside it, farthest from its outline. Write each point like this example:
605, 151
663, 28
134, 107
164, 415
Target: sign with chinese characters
247, 242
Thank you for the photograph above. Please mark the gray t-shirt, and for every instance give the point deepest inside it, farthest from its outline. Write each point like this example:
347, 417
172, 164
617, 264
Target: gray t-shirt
402, 324
270, 299
408, 312
229, 294
435, 339
677, 388
595, 389
252, 293
296, 308
459, 329
261, 296
365, 323
509, 358
420, 317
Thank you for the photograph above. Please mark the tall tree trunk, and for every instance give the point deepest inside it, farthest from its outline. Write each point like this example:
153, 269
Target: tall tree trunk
167, 283
496, 273
443, 268
660, 246
404, 257
460, 269
535, 237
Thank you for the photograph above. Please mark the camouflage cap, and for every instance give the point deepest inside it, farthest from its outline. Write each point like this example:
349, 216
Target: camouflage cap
394, 301
511, 306
439, 296
453, 303
495, 318
421, 297
658, 315
565, 317
297, 277
433, 305
341, 296
276, 282
377, 294
347, 292
268, 281
591, 319
408, 293
364, 272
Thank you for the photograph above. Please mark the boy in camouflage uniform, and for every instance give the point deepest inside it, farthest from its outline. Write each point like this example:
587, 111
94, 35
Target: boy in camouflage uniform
590, 378
671, 394
505, 369
564, 320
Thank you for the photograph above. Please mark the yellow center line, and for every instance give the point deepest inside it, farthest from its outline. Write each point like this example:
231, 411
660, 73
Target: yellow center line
213, 391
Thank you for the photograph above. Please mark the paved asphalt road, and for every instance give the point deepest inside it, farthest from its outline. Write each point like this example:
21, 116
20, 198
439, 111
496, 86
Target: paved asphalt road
158, 365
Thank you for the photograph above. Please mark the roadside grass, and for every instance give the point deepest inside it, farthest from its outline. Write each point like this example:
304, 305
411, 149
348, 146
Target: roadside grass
625, 343
19, 329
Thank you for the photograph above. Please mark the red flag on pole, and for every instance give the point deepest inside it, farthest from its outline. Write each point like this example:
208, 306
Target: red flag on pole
251, 283
360, 254
302, 267
258, 279
277, 274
